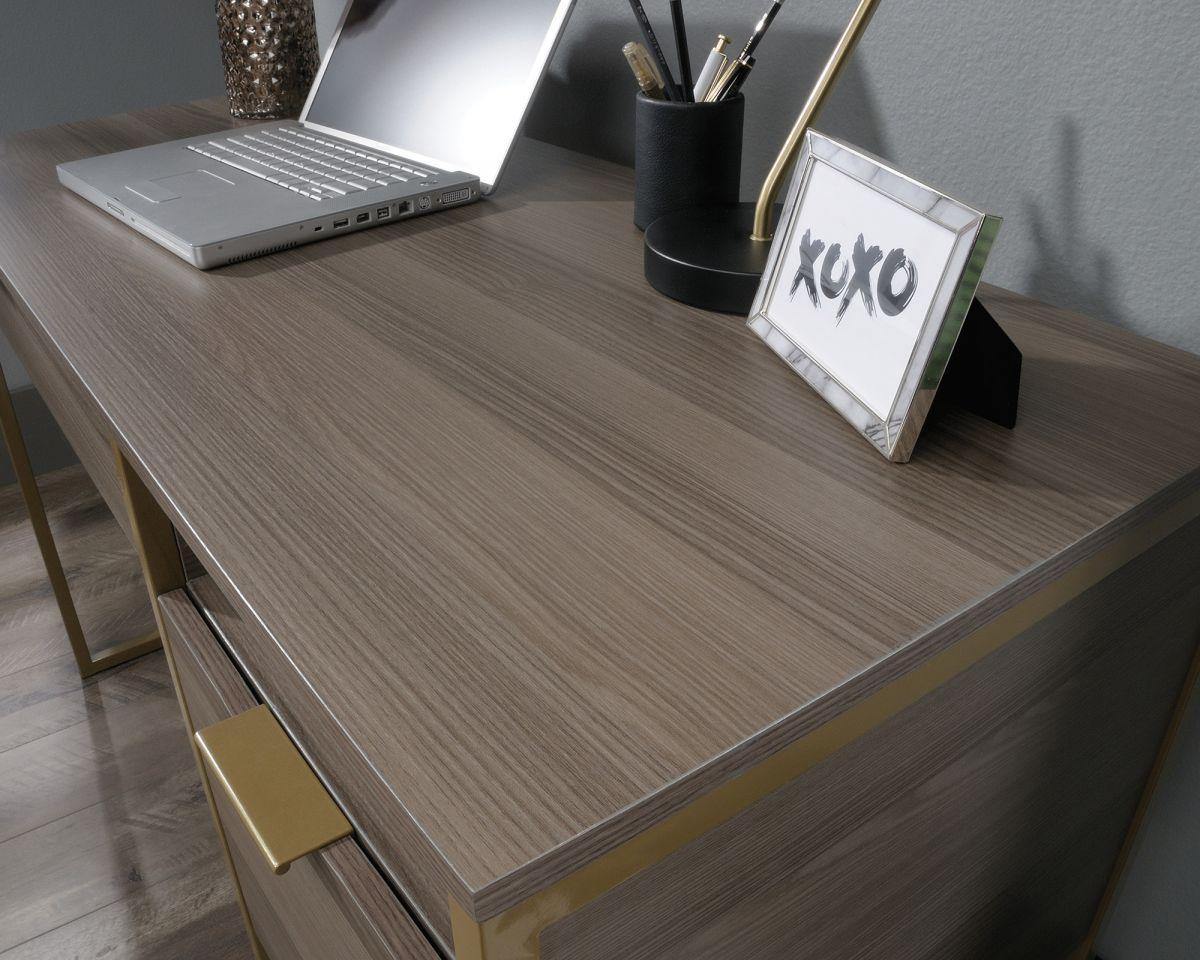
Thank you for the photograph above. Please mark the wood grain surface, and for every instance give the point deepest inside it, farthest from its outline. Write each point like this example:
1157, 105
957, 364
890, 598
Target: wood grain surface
982, 821
332, 903
414, 868
88, 433
553, 553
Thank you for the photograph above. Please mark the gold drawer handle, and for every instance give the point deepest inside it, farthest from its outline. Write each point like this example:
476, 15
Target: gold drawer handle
276, 794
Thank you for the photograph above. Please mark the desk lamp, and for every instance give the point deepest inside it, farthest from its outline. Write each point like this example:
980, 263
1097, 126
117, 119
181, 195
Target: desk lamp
713, 257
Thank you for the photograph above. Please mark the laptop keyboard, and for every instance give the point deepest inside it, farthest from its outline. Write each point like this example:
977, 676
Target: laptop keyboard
315, 167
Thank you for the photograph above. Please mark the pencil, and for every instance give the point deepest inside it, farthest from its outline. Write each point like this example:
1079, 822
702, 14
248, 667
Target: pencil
656, 50
681, 45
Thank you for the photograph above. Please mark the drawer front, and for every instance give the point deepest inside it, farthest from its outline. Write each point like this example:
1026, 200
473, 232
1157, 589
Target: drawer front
420, 874
73, 409
332, 903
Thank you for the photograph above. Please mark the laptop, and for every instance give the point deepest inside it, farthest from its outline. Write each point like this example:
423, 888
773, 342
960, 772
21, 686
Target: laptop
415, 110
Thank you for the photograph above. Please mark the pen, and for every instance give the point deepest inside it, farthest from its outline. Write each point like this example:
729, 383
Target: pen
760, 29
643, 70
721, 81
730, 81
669, 85
735, 86
712, 66
681, 47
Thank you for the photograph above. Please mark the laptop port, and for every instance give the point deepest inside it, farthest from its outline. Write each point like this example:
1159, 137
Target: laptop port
362, 218
405, 207
455, 196
338, 224
318, 228
383, 213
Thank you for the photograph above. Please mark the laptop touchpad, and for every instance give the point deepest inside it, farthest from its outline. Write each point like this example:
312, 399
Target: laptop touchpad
197, 183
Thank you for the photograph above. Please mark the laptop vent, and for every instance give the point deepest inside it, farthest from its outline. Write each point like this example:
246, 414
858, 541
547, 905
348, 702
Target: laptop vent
262, 253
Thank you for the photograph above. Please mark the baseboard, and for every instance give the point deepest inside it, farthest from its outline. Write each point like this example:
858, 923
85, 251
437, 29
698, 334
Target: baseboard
48, 448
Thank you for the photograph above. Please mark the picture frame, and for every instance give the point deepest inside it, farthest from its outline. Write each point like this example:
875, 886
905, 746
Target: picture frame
869, 279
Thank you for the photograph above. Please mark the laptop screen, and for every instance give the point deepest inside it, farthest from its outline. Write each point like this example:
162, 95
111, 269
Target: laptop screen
444, 81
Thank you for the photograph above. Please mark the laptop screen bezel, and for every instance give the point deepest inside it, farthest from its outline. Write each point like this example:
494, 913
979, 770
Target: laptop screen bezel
487, 179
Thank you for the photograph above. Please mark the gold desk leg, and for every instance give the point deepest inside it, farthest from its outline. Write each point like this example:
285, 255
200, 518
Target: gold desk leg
87, 664
162, 569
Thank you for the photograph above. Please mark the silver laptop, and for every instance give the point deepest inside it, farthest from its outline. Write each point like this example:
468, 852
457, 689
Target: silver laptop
415, 109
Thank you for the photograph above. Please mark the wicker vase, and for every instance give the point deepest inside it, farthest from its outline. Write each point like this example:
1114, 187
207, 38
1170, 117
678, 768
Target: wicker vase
269, 48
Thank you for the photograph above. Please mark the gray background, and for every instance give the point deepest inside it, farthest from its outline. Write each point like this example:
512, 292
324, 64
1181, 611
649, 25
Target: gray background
63, 60
1076, 121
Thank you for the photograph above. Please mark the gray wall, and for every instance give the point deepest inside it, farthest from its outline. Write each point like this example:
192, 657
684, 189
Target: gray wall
1074, 120
63, 61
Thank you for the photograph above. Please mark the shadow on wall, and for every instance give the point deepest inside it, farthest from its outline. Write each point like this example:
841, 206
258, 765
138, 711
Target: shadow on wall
1064, 266
587, 101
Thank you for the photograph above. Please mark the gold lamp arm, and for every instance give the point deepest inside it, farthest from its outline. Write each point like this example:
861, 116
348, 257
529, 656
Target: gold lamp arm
841, 53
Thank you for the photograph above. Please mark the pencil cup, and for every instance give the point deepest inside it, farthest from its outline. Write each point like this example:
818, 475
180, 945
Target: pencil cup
686, 155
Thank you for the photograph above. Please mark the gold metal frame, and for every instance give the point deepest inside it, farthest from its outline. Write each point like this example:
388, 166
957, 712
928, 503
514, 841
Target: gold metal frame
279, 799
87, 663
816, 99
162, 570
515, 933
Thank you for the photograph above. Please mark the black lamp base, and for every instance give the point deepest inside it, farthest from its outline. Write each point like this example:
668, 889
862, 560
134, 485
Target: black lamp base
704, 257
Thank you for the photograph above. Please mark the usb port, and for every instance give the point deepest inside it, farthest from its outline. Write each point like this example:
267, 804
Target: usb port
383, 213
338, 224
362, 218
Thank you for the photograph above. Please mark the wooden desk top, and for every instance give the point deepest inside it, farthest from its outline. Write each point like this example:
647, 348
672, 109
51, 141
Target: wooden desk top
556, 552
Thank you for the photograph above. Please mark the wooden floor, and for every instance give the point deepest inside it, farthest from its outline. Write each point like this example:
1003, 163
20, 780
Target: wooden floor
106, 845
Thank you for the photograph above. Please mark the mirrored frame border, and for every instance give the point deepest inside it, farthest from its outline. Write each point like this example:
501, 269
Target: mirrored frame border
975, 232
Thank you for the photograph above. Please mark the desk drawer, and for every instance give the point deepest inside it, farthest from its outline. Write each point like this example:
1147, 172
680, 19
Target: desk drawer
412, 865
332, 903
73, 408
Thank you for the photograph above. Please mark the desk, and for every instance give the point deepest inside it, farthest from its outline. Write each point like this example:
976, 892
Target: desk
607, 635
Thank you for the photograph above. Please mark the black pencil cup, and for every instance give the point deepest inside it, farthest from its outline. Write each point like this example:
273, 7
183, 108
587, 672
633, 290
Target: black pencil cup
686, 155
